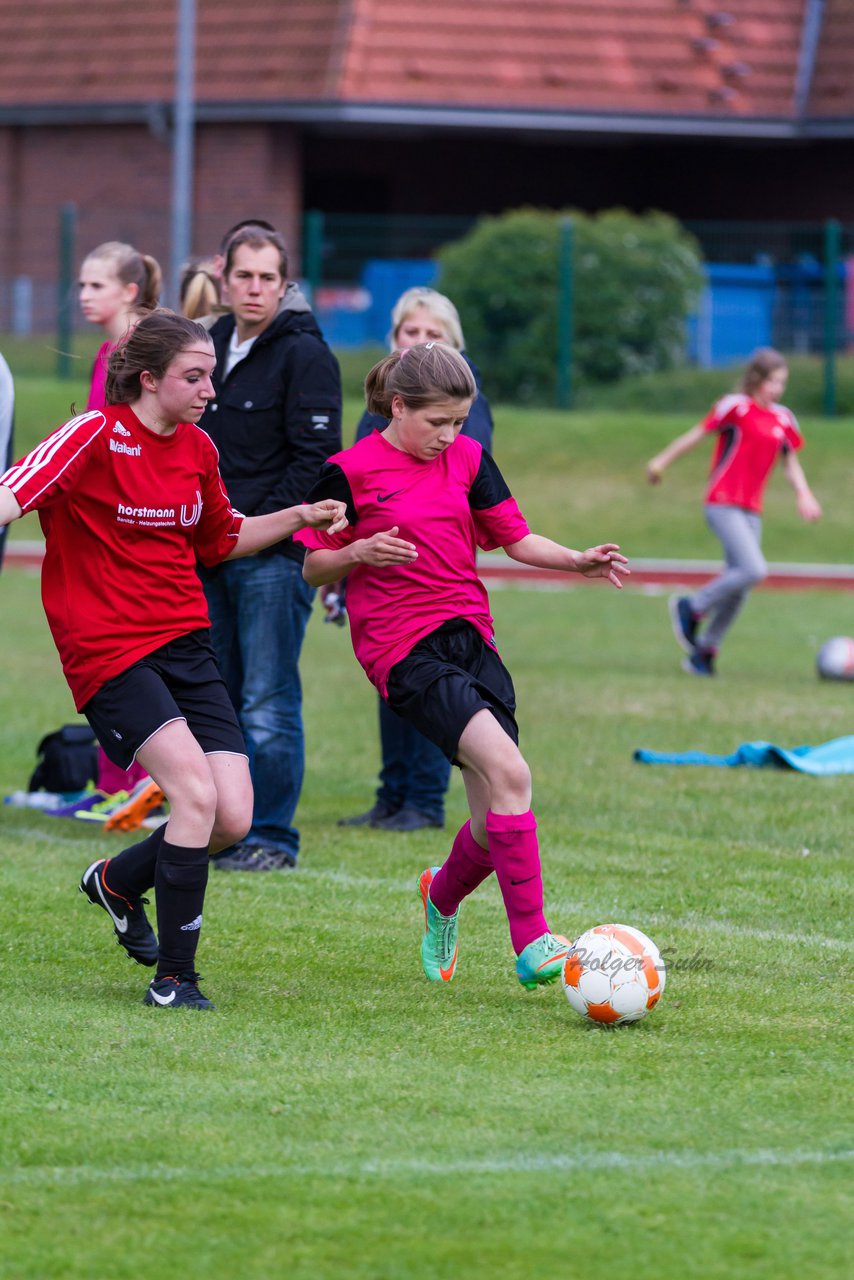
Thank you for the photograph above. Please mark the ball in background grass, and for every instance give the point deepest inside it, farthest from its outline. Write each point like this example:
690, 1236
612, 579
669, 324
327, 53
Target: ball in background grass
613, 974
835, 660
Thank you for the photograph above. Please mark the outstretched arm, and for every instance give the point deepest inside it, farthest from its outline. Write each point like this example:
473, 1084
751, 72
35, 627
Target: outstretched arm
9, 507
656, 467
604, 561
809, 508
258, 532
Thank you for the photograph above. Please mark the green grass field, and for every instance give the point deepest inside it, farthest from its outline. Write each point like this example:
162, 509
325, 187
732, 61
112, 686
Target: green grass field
336, 1116
580, 476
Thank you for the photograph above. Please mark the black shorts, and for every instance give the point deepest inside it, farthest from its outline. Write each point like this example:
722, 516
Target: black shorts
178, 681
446, 679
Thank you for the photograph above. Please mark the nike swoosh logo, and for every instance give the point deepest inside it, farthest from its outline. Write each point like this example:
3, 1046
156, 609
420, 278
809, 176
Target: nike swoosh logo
526, 880
121, 925
448, 973
162, 999
384, 497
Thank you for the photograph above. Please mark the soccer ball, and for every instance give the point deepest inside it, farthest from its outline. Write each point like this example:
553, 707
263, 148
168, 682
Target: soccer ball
835, 659
613, 974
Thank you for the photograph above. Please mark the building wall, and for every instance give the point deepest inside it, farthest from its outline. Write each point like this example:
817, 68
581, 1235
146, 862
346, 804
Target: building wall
119, 178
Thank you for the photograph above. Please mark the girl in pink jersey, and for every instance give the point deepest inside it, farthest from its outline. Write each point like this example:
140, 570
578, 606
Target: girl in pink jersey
117, 287
752, 431
133, 491
421, 499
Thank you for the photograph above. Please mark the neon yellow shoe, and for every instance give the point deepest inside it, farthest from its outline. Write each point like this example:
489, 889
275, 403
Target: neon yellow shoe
439, 944
542, 960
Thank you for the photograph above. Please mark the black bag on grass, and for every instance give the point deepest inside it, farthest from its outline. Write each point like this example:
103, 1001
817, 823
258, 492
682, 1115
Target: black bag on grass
67, 760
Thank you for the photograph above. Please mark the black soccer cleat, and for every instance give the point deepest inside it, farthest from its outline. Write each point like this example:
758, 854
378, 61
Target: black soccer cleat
176, 992
130, 923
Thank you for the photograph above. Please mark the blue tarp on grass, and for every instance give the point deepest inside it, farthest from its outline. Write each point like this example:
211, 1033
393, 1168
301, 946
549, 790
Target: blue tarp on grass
836, 756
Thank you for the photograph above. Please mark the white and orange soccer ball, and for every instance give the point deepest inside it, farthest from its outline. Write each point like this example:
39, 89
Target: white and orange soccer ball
835, 659
613, 974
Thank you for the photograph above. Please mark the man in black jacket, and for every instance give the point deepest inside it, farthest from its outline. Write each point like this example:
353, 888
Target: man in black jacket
275, 420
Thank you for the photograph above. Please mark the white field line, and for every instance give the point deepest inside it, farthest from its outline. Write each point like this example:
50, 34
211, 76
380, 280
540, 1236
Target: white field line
699, 924
394, 1169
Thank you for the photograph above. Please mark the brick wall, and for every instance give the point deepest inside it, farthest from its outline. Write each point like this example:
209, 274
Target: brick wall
120, 178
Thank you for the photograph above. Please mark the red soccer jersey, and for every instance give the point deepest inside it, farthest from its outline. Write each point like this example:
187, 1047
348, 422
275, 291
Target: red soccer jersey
125, 514
750, 439
448, 507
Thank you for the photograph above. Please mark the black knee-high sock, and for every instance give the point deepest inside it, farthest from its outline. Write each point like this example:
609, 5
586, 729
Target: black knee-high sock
180, 878
131, 872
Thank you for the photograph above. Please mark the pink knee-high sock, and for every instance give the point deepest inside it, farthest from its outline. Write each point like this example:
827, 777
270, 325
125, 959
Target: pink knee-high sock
516, 857
466, 866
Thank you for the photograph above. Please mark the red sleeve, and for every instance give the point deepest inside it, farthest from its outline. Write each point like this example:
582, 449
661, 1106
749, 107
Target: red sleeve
52, 468
794, 439
216, 532
722, 412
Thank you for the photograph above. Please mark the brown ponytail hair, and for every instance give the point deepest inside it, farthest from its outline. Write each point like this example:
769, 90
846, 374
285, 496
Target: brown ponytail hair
423, 375
151, 346
132, 267
763, 362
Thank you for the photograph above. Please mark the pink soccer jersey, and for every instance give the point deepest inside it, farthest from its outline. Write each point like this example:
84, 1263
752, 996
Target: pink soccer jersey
750, 439
448, 507
125, 514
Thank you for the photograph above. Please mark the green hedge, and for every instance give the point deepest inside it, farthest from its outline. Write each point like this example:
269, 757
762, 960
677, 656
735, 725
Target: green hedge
635, 280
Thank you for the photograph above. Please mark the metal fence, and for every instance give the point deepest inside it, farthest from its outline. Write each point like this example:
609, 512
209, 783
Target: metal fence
789, 285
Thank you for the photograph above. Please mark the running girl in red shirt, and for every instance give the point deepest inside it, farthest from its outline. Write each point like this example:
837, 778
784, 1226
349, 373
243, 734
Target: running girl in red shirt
132, 493
421, 498
752, 431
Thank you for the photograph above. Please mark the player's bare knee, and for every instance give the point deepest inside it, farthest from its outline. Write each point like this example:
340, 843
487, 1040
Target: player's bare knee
232, 823
197, 799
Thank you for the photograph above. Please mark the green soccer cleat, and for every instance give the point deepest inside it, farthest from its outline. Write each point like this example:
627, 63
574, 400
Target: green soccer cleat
542, 960
439, 944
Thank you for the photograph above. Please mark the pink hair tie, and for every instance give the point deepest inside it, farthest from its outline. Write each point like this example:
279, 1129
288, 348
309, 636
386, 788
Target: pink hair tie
404, 352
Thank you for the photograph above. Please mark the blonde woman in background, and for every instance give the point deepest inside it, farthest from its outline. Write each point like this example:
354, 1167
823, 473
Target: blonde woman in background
415, 774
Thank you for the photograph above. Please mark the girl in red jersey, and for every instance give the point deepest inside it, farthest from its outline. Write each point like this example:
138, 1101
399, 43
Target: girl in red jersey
752, 431
132, 494
116, 288
421, 498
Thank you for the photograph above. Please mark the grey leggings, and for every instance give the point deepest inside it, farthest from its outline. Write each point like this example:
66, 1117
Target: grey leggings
740, 534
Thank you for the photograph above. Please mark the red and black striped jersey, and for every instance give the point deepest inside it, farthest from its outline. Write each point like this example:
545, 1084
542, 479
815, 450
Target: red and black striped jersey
125, 513
751, 437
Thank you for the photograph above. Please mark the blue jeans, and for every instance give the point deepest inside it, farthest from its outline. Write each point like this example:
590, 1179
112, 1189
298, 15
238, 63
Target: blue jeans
414, 772
259, 608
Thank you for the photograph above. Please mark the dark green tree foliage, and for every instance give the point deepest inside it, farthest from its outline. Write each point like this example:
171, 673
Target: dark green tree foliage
635, 280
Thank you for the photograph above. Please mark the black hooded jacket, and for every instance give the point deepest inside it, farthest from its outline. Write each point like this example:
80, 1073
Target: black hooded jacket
277, 415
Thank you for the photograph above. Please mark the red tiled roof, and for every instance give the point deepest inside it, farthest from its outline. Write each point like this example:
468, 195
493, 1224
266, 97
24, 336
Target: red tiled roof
661, 57
582, 55
833, 83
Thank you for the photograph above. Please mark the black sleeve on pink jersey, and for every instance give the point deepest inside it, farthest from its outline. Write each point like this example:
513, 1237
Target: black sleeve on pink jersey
333, 483
489, 487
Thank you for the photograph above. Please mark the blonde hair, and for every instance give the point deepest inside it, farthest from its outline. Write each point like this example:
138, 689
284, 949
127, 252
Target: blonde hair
132, 267
425, 374
199, 290
763, 362
437, 304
